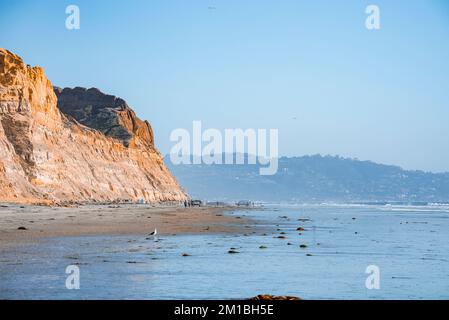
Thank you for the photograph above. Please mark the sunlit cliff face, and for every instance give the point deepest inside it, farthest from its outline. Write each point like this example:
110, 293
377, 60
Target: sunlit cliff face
50, 156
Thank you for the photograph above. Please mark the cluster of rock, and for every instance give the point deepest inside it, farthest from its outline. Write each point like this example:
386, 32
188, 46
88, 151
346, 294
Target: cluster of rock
74, 144
268, 297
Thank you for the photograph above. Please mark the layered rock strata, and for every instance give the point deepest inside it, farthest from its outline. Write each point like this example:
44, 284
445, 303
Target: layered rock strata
91, 148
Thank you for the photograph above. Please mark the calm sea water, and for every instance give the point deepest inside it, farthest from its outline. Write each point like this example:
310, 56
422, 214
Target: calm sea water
410, 245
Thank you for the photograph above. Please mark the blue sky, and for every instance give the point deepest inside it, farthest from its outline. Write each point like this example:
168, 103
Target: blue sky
309, 68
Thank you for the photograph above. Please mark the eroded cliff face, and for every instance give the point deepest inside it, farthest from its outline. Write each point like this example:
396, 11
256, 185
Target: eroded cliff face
100, 151
106, 113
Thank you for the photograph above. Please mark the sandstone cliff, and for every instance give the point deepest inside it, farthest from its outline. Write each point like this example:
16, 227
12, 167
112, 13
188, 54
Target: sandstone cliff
97, 149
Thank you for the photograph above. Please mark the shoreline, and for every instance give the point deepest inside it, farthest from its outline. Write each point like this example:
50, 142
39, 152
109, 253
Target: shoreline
113, 219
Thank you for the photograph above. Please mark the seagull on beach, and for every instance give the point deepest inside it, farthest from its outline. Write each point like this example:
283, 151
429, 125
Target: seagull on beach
153, 235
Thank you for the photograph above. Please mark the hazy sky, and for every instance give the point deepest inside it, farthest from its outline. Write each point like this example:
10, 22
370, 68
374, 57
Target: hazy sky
309, 68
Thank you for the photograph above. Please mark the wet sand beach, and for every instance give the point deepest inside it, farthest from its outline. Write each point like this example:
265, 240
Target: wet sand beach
21, 224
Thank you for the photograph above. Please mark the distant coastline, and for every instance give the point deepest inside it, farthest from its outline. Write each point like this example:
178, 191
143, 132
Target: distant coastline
314, 179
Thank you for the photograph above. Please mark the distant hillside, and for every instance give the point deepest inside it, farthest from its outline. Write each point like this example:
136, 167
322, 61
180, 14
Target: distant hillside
313, 179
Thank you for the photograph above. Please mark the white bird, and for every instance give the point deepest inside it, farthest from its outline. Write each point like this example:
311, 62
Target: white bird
154, 233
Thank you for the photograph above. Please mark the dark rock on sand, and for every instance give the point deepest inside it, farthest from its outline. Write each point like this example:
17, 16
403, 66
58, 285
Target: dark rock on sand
271, 297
